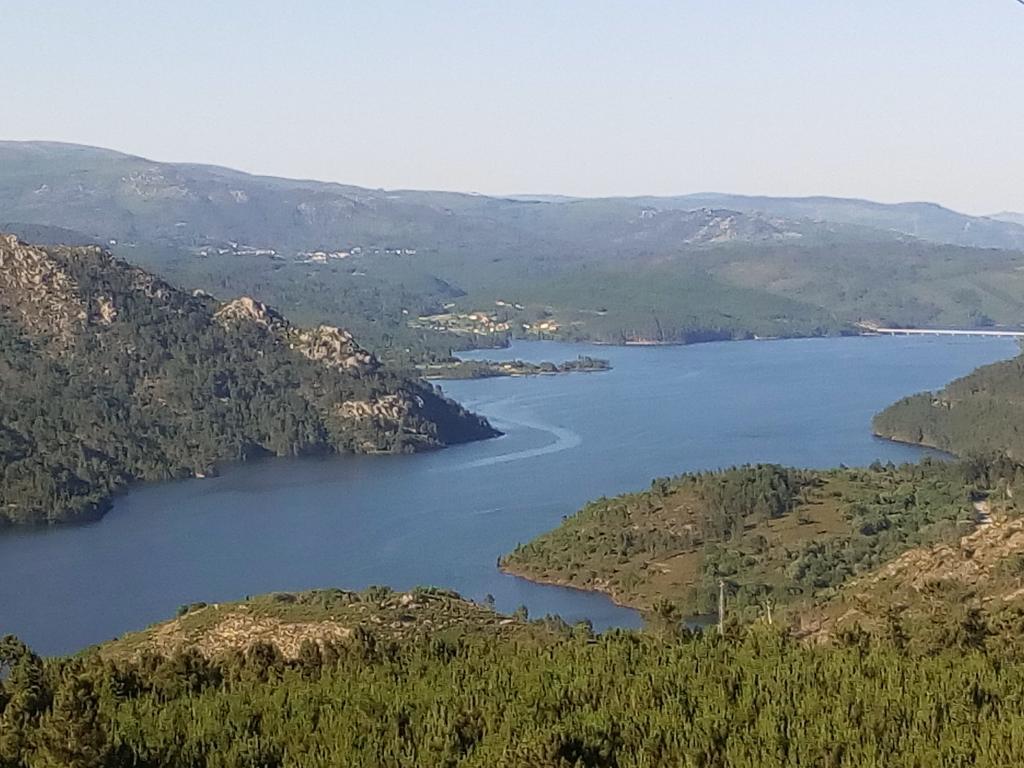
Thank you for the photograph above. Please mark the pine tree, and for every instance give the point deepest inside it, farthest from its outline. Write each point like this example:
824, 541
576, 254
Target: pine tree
72, 734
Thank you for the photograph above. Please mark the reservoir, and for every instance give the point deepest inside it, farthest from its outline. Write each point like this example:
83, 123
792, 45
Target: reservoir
444, 518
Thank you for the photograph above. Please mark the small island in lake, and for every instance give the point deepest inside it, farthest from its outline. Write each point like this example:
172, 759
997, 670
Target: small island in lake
485, 369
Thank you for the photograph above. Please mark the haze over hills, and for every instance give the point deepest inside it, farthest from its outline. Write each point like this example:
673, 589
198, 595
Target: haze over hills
673, 269
927, 221
109, 195
924, 220
1010, 216
103, 193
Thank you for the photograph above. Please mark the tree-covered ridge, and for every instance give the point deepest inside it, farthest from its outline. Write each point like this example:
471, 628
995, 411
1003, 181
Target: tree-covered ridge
772, 535
979, 414
425, 678
481, 697
111, 375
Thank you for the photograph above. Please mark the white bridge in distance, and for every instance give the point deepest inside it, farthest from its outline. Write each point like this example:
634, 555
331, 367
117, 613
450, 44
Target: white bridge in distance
869, 328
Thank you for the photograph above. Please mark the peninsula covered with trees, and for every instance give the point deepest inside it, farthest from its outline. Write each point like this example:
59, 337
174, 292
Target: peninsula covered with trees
836, 546
768, 536
111, 375
979, 414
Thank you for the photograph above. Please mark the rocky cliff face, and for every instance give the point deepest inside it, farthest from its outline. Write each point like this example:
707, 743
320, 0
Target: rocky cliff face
332, 347
37, 293
335, 348
248, 310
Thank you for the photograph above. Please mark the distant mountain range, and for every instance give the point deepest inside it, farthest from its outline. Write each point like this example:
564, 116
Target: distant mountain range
110, 195
1010, 216
927, 221
684, 268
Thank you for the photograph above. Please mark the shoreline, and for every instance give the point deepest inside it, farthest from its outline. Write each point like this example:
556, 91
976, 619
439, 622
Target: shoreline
99, 509
474, 369
510, 341
691, 620
613, 597
916, 444
609, 596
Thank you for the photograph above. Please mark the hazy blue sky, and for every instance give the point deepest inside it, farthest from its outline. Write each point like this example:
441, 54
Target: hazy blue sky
886, 99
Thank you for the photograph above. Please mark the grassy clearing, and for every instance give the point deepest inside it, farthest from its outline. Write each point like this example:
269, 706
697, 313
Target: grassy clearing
324, 616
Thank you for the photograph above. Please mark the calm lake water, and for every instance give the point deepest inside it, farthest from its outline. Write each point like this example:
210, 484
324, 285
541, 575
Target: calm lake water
444, 518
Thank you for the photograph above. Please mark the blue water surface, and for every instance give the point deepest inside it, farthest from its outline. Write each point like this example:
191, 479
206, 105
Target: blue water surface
444, 518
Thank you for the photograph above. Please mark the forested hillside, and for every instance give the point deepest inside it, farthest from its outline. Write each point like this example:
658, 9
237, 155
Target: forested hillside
975, 580
110, 375
488, 691
773, 536
979, 414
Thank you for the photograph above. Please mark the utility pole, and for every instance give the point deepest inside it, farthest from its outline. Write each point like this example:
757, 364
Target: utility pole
721, 606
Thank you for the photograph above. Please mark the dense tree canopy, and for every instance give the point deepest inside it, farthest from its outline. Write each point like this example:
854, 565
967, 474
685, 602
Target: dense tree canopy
753, 698
979, 414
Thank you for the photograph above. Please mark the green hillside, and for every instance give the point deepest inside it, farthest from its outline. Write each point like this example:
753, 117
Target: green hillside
979, 414
337, 679
774, 536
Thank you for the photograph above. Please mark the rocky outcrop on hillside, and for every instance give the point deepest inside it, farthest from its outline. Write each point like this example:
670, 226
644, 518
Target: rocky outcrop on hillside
719, 226
707, 226
391, 408
332, 347
246, 309
322, 617
984, 569
37, 293
335, 348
